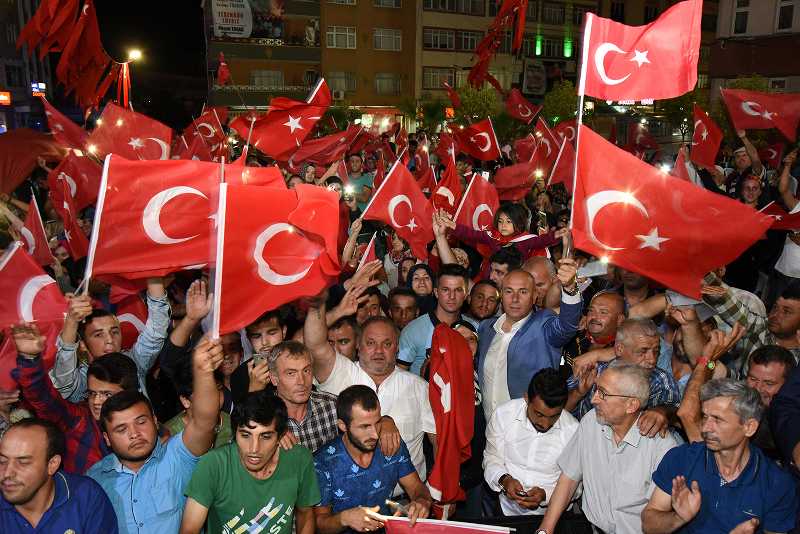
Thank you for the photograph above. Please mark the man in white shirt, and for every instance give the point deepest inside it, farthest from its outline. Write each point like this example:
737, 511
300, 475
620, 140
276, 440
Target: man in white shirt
524, 439
403, 396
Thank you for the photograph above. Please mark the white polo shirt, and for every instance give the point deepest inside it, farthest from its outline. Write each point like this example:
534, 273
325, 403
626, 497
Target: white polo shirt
403, 397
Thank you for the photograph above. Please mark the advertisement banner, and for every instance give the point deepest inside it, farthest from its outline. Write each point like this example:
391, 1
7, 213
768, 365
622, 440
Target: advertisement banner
232, 18
534, 78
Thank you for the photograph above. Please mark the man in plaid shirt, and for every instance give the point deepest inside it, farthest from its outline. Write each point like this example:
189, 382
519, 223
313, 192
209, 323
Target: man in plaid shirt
637, 342
312, 414
780, 327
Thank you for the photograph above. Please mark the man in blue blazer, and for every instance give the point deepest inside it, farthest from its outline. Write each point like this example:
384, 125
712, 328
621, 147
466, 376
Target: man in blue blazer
516, 345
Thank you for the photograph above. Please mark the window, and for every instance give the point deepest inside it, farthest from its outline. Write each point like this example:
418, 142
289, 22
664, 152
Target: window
705, 55
505, 43
702, 81
552, 47
532, 13
438, 39
15, 76
342, 81
266, 78
740, 16
11, 33
434, 77
650, 13
387, 39
494, 7
579, 12
387, 3
347, 2
778, 84
387, 83
708, 23
468, 40
341, 37
465, 7
618, 11
785, 15
553, 14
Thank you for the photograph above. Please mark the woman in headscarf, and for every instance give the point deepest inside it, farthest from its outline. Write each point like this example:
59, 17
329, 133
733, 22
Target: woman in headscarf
422, 281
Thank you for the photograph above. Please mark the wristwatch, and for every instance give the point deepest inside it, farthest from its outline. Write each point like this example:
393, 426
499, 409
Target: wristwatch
703, 362
500, 482
541, 531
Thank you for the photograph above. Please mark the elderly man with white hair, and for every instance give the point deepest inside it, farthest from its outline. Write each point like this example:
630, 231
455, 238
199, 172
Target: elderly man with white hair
610, 456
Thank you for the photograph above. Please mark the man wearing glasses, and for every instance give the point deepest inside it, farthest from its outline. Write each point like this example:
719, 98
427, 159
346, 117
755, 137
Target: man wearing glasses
610, 456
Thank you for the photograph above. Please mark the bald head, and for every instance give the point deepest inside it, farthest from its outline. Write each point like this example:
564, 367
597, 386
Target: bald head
606, 313
519, 294
544, 275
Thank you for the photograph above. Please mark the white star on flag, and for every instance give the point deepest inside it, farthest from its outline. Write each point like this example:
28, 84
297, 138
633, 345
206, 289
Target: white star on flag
135, 143
704, 135
293, 123
768, 114
652, 240
411, 224
58, 127
640, 57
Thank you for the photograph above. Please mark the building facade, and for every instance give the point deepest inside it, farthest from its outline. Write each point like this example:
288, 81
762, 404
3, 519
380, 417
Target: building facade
21, 75
757, 37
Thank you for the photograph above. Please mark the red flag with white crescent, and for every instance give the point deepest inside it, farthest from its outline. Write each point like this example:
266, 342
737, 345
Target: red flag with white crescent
564, 168
781, 220
130, 135
518, 107
132, 316
772, 155
478, 205
81, 176
705, 140
567, 130
29, 294
448, 192
77, 243
34, 235
751, 110
64, 130
369, 253
479, 140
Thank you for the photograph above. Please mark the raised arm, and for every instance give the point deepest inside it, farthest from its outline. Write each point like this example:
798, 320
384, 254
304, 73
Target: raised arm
148, 344
755, 161
174, 351
562, 327
420, 497
198, 436
441, 222
315, 337
783, 182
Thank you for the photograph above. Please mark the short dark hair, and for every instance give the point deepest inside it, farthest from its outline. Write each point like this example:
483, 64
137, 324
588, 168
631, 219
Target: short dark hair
519, 215
773, 354
262, 407
550, 386
402, 291
792, 291
361, 395
116, 368
97, 313
507, 256
333, 180
56, 442
121, 402
453, 269
347, 320
485, 282
268, 316
183, 379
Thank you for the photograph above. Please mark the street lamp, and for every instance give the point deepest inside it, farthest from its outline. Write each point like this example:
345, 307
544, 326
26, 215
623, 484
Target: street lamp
134, 54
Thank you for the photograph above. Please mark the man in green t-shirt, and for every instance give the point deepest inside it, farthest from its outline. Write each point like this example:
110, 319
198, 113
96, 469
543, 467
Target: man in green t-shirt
252, 485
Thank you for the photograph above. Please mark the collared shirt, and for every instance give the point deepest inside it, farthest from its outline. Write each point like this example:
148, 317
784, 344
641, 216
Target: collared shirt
152, 499
69, 375
762, 490
79, 505
319, 425
495, 367
403, 397
616, 478
415, 341
663, 390
515, 447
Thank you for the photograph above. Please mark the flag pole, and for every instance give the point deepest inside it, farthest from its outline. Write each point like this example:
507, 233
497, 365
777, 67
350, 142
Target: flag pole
101, 200
385, 179
555, 166
587, 33
217, 298
371, 243
41, 222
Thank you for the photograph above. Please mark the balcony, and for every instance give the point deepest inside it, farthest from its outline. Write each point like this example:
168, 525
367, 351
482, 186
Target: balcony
290, 49
254, 95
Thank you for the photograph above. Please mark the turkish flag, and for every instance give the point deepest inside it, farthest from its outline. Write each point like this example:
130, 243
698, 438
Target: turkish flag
208, 128
321, 95
132, 316
479, 140
448, 192
400, 140
478, 205
153, 217
400, 203
452, 396
369, 253
63, 129
422, 161
401, 525
34, 236
645, 221
8, 351
287, 252
772, 155
705, 140
679, 169
195, 149
281, 131
525, 147
567, 130
28, 293
514, 181
83, 54
639, 136
564, 168
447, 148
81, 176
455, 100
781, 220
750, 110
547, 145
130, 135
380, 172
77, 244
223, 71
50, 27
519, 108
654, 61
427, 181
238, 173
327, 149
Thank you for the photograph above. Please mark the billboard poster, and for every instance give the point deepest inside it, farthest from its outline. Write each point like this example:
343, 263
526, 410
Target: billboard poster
244, 19
534, 78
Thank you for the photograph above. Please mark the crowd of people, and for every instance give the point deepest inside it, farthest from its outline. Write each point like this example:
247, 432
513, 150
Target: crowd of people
603, 403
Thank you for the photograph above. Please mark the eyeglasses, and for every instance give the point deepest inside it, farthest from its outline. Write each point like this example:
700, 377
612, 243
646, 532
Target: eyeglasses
105, 395
604, 394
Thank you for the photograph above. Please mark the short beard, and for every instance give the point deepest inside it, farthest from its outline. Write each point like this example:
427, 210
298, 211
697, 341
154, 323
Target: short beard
358, 444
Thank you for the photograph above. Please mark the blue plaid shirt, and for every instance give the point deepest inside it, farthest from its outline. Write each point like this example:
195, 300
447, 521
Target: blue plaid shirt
663, 390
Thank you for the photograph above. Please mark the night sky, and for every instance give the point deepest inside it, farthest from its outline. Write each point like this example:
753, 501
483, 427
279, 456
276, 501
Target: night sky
169, 33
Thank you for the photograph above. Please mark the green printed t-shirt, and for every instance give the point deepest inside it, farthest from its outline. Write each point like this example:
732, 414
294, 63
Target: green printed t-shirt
237, 502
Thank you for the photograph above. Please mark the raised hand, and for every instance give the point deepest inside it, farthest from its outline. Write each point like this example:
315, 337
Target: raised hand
27, 338
568, 273
79, 307
686, 501
198, 301
207, 356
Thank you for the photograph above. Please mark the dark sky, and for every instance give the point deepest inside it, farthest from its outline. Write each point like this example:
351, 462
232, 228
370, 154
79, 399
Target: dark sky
169, 33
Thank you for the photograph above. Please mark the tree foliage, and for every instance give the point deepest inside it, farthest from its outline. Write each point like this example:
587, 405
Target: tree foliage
477, 104
561, 102
679, 111
342, 115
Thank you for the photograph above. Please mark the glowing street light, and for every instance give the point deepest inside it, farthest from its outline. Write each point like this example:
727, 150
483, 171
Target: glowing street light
134, 54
